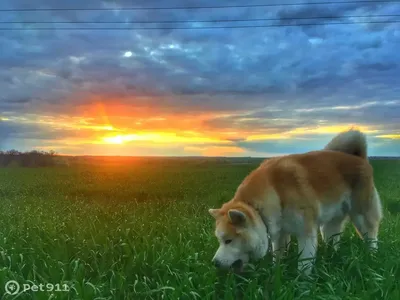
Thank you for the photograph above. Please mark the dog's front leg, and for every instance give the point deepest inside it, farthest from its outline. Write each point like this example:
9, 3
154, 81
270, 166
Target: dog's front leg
307, 244
280, 244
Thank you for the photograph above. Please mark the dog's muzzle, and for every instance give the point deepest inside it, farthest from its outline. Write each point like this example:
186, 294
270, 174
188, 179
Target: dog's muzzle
236, 266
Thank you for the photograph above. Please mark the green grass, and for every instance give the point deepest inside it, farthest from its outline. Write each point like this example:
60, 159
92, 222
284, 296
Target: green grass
142, 231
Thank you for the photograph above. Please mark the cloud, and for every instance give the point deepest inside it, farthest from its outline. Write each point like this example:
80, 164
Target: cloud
249, 81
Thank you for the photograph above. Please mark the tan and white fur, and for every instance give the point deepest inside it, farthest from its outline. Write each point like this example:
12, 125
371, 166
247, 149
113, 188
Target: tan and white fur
297, 195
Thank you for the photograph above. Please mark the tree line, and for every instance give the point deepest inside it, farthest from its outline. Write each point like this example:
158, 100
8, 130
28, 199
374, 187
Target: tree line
32, 158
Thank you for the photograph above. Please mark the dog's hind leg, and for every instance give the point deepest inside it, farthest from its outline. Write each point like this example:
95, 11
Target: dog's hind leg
332, 230
367, 220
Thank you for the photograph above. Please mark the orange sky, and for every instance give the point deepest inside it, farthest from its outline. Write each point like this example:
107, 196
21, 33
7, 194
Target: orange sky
119, 130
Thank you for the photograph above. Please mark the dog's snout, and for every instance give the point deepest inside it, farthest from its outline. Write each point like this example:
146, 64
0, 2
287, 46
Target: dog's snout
216, 263
237, 264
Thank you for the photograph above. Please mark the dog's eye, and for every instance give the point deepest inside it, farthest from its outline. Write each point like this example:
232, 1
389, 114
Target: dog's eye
228, 242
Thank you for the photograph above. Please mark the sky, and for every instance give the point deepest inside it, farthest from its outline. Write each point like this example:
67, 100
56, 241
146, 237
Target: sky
259, 91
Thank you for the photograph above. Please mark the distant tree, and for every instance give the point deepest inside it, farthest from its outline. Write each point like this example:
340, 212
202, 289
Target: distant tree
31, 159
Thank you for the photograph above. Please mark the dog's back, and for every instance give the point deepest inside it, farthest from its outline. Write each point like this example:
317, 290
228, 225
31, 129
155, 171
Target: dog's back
318, 176
323, 175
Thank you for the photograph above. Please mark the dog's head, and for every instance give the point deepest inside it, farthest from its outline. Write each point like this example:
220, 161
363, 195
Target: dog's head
242, 235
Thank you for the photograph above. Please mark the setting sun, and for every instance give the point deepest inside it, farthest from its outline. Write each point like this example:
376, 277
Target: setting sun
162, 137
121, 139
114, 140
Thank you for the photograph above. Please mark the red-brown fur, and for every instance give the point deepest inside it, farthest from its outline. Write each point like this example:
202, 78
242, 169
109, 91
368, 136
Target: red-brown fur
304, 184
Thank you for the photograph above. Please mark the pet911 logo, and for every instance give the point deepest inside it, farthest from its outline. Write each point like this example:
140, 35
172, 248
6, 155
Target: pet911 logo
13, 287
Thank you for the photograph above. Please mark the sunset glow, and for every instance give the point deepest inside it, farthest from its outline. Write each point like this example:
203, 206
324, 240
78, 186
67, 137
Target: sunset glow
109, 132
161, 138
104, 132
211, 91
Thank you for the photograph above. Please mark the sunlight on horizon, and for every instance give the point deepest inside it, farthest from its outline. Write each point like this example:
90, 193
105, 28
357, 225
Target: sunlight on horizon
102, 130
161, 137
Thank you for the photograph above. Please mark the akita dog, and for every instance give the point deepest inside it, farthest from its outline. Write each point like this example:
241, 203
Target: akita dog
295, 195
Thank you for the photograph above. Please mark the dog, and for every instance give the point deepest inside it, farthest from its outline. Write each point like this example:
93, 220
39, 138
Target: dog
298, 194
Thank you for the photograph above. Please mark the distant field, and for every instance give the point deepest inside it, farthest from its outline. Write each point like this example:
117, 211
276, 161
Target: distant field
139, 229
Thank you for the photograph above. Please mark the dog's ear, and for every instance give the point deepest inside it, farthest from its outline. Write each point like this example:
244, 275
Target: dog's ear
215, 212
237, 217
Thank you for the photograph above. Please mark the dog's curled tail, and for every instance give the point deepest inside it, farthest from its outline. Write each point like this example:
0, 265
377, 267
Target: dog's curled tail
352, 142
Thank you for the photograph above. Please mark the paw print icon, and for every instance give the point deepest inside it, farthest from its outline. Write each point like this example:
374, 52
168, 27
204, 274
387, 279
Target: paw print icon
12, 287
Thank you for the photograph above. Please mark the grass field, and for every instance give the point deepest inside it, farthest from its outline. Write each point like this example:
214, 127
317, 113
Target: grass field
141, 230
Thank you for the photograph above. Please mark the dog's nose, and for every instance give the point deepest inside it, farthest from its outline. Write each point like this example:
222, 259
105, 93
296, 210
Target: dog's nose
216, 263
237, 264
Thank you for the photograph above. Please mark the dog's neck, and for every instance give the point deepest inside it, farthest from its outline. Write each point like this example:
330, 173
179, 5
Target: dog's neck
263, 234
